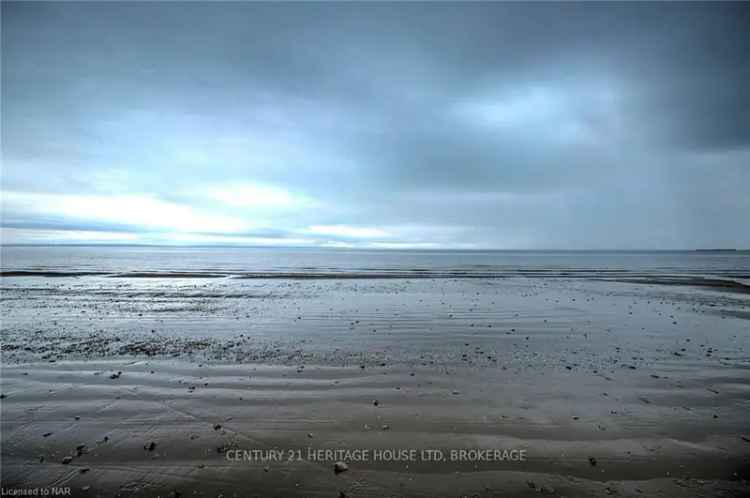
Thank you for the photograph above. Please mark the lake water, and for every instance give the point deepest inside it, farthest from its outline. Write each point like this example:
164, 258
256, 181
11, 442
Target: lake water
300, 263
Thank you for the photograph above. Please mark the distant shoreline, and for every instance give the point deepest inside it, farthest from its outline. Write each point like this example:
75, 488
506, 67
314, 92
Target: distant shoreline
716, 250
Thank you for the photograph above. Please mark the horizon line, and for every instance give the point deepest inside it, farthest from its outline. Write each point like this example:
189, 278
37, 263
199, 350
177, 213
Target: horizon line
432, 249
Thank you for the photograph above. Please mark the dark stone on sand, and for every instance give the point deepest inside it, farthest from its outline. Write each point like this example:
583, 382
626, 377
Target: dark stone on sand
150, 446
745, 438
47, 434
66, 460
83, 470
375, 402
340, 467
592, 461
217, 427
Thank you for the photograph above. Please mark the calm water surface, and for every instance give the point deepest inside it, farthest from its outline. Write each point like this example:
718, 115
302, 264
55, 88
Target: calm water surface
248, 262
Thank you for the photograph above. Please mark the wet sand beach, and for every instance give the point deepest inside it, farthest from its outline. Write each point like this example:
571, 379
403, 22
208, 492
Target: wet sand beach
257, 387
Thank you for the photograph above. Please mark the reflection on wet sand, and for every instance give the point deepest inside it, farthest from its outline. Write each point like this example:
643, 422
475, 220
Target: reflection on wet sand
146, 387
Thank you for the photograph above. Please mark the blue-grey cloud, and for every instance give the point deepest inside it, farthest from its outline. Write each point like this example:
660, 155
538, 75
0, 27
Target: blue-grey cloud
430, 125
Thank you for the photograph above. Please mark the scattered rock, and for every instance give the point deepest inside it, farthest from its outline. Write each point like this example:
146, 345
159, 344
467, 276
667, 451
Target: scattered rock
592, 461
150, 446
217, 427
375, 402
67, 460
340, 467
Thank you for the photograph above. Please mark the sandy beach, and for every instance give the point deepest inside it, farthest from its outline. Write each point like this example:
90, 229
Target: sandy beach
422, 387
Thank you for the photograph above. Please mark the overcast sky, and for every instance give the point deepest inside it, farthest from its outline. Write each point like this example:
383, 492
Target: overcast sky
488, 125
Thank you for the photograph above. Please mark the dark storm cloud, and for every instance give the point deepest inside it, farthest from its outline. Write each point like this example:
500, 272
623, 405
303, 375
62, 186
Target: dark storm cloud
492, 124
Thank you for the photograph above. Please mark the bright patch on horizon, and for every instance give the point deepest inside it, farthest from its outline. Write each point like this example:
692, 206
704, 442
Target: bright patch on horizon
28, 236
136, 211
